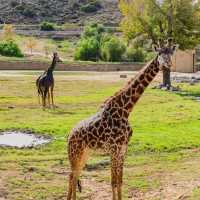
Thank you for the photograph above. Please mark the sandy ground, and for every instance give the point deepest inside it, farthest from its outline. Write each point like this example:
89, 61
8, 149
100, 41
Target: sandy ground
83, 75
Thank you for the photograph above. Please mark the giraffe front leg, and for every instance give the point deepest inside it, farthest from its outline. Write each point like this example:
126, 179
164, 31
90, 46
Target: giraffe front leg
114, 177
117, 176
48, 94
119, 181
114, 184
52, 98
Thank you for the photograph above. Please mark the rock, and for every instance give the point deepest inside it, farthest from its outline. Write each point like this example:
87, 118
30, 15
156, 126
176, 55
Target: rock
123, 76
11, 107
198, 99
192, 82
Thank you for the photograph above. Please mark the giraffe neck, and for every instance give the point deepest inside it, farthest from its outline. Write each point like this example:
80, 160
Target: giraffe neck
52, 67
129, 95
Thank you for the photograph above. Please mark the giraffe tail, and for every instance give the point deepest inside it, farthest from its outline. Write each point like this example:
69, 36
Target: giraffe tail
79, 185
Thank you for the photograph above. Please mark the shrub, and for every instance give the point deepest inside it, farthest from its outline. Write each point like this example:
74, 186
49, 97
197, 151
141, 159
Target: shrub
136, 54
8, 32
14, 3
91, 7
47, 26
93, 30
112, 49
88, 49
150, 55
29, 12
9, 48
89, 45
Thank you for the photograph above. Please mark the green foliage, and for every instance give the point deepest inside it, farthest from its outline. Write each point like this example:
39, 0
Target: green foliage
24, 9
47, 26
14, 3
10, 48
91, 7
89, 46
96, 44
29, 12
88, 49
179, 19
112, 49
136, 54
150, 55
94, 30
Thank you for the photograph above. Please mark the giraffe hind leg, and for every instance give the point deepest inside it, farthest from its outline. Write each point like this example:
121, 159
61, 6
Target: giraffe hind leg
39, 94
77, 165
44, 97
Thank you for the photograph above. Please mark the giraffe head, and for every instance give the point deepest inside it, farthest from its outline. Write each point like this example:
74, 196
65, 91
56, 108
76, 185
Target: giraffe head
165, 53
56, 57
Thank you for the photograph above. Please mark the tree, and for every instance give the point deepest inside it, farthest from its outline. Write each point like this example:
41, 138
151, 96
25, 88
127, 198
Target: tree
112, 49
88, 48
8, 32
159, 20
31, 43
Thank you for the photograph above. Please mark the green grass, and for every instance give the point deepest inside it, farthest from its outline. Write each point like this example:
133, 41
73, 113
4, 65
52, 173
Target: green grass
164, 125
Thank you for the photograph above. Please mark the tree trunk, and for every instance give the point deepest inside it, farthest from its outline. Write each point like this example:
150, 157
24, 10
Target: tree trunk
167, 71
166, 78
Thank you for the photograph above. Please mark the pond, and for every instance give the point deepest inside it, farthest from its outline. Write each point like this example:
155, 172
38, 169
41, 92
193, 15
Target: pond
21, 139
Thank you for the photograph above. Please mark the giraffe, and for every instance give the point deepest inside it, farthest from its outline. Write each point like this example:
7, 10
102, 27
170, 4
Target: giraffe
109, 129
45, 82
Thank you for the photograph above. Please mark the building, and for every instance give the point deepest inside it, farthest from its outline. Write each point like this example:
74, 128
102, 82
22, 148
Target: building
185, 61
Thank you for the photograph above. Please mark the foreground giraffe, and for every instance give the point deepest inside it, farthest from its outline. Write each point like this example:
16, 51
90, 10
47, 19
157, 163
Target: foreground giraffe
109, 129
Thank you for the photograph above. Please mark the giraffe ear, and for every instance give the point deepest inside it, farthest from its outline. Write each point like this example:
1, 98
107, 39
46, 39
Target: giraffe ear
156, 48
174, 48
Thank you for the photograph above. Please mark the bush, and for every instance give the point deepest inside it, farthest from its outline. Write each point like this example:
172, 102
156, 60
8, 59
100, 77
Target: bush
88, 49
89, 45
29, 12
47, 26
14, 3
136, 54
150, 56
9, 48
93, 30
112, 49
91, 7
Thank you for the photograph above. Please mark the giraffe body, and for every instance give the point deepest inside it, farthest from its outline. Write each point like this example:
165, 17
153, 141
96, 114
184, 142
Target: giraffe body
109, 130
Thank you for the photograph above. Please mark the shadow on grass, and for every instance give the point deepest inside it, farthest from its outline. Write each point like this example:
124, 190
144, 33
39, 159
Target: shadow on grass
97, 166
190, 94
62, 113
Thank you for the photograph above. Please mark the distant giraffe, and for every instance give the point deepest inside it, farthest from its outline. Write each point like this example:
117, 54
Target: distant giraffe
109, 129
45, 82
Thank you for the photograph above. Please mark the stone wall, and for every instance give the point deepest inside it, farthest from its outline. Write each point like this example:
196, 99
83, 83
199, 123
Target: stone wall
73, 66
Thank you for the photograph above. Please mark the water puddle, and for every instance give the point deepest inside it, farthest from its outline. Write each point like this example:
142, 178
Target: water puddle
22, 140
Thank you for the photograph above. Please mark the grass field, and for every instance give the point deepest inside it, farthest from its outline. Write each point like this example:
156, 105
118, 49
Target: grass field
163, 154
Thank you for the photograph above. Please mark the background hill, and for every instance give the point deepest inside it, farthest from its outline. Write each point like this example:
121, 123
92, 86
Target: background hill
59, 11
